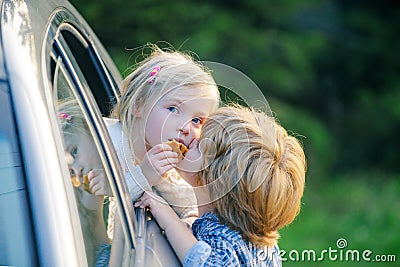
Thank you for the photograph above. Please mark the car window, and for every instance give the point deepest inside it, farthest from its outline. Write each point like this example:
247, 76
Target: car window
83, 158
92, 67
82, 91
81, 87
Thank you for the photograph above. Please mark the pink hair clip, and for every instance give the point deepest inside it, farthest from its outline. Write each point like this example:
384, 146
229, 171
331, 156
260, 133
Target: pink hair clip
153, 74
63, 115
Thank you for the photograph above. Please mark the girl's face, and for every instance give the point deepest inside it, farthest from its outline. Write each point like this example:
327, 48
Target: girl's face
178, 115
81, 154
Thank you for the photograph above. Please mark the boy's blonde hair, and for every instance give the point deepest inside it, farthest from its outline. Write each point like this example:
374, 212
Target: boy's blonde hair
141, 90
254, 172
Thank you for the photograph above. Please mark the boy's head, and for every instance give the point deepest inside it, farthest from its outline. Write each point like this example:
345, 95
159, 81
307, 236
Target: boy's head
254, 172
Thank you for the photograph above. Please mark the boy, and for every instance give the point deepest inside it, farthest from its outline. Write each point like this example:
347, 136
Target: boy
251, 184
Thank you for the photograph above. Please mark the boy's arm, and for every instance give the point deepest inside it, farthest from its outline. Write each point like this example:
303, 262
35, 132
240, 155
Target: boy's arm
179, 235
189, 250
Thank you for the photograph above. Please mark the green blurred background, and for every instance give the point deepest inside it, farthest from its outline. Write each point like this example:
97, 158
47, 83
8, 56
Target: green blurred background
330, 71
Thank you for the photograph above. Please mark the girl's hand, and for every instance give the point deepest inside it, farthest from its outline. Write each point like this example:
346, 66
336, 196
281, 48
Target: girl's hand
88, 200
98, 183
160, 209
157, 161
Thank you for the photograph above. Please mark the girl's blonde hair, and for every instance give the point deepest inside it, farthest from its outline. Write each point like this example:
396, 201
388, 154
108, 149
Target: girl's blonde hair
253, 170
70, 118
142, 88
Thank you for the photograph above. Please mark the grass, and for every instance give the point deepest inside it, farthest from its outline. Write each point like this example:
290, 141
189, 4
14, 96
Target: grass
362, 210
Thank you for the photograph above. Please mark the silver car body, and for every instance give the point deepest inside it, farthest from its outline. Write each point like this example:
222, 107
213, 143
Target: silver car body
37, 223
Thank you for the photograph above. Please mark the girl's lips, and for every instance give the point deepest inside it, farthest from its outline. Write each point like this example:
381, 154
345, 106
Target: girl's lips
178, 140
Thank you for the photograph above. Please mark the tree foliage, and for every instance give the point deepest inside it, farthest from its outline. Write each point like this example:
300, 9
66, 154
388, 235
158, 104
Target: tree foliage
330, 69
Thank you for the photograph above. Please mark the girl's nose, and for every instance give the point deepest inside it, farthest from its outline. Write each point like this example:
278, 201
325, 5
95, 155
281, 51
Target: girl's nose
185, 129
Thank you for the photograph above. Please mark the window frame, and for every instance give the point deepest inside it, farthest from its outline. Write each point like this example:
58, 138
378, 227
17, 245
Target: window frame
63, 21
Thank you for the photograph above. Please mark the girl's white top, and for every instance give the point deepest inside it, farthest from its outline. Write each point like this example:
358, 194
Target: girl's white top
173, 188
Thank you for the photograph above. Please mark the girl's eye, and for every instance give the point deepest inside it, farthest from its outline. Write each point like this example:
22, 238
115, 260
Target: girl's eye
74, 152
173, 109
197, 120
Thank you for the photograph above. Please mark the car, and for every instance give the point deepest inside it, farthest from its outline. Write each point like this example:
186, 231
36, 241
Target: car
48, 54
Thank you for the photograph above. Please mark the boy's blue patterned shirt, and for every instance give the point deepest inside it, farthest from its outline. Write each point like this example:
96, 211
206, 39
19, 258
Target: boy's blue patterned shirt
221, 246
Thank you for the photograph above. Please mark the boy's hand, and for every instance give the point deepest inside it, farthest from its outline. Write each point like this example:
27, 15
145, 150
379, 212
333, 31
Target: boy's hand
179, 235
98, 183
157, 161
160, 209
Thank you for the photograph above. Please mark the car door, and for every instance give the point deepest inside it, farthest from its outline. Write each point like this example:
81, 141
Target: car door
50, 56
74, 71
78, 72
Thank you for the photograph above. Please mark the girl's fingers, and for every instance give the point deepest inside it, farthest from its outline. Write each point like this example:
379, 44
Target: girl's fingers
164, 169
164, 161
141, 205
142, 201
165, 154
161, 151
159, 148
161, 167
91, 175
167, 162
95, 188
94, 173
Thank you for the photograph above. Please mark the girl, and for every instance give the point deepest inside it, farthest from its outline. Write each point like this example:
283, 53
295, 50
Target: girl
167, 97
84, 162
252, 182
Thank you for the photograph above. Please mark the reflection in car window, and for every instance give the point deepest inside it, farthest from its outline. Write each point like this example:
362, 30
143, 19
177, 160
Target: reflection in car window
90, 182
61, 85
